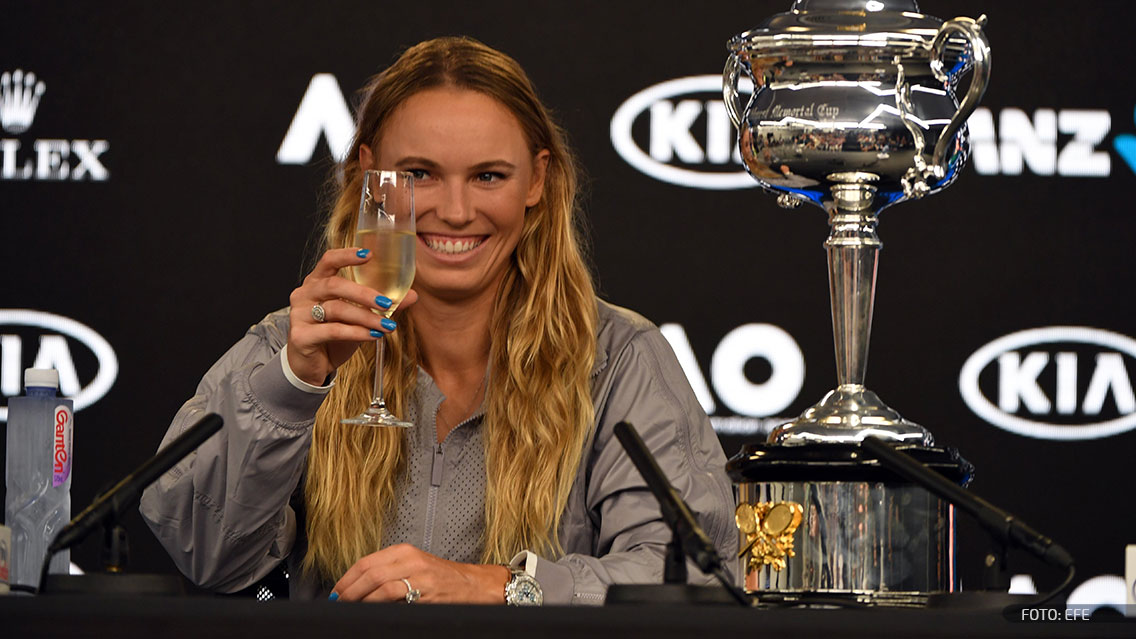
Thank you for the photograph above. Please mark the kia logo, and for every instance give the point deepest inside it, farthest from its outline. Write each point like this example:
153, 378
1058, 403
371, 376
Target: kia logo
54, 352
672, 123
1038, 389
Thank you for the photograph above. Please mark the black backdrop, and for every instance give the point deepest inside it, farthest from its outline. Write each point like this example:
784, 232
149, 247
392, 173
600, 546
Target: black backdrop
181, 228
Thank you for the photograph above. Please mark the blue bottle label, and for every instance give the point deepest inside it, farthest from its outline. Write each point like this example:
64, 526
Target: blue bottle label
61, 468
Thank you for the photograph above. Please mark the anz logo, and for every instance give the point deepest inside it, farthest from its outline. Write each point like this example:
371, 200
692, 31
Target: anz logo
1020, 142
1058, 382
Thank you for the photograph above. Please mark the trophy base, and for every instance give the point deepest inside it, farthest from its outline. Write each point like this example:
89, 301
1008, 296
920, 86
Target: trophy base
862, 534
847, 415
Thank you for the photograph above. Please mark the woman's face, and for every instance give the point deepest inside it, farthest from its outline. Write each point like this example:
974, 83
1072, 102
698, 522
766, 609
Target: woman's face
474, 178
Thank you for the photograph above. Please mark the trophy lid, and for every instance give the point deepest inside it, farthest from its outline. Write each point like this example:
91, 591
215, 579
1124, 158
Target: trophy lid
835, 22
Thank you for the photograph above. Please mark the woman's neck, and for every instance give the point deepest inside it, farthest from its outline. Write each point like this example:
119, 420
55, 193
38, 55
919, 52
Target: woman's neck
453, 337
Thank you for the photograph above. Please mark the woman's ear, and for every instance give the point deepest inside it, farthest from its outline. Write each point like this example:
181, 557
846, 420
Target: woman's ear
366, 158
540, 170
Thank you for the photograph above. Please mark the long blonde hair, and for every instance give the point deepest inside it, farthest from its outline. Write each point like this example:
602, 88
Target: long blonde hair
538, 404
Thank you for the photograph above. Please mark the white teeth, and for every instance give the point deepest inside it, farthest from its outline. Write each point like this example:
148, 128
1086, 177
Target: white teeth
451, 247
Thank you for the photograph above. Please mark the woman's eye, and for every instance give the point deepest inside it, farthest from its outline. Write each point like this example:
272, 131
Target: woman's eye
490, 176
419, 174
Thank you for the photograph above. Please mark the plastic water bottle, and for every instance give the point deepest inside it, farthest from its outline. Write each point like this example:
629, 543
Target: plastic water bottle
38, 474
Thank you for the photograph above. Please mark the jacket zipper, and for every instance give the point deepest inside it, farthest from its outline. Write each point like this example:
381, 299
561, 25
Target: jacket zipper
437, 466
437, 469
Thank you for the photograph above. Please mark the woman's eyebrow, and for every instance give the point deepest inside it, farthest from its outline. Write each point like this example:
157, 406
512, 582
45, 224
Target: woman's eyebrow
494, 164
413, 160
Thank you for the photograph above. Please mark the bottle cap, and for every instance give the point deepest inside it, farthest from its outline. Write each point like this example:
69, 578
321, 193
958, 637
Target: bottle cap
41, 378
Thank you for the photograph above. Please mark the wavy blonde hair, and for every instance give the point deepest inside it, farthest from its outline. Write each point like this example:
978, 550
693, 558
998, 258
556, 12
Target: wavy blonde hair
538, 405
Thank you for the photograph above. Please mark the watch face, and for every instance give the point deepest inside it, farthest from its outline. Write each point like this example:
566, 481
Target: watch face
524, 591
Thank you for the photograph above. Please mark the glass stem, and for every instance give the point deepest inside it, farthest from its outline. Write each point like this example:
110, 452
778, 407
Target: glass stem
378, 388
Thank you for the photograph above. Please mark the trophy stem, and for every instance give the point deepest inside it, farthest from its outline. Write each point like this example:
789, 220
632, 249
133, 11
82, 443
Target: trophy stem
853, 254
851, 412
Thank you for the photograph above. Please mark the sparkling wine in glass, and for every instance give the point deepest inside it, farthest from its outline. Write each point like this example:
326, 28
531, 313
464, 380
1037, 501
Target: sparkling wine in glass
386, 228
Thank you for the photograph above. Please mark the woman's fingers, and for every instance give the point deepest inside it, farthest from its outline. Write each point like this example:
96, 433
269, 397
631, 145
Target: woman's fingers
394, 590
335, 259
320, 289
324, 283
377, 576
338, 314
331, 315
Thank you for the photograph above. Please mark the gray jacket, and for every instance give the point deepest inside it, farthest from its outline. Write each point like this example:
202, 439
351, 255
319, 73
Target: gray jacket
233, 511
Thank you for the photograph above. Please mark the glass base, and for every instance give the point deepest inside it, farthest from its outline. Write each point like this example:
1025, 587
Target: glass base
377, 416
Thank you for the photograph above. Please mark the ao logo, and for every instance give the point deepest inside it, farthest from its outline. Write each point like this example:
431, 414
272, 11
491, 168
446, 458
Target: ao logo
54, 352
1022, 358
322, 111
727, 368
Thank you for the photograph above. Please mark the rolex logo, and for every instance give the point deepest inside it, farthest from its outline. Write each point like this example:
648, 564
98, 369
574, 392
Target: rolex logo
48, 159
19, 98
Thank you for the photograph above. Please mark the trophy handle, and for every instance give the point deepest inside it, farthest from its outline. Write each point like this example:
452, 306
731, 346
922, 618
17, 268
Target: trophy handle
730, 76
980, 54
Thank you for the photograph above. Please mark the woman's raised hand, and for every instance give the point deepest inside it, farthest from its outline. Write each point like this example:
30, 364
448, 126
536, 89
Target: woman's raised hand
319, 342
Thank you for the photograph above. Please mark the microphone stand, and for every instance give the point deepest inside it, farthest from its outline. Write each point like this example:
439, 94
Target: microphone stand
674, 566
688, 541
1006, 529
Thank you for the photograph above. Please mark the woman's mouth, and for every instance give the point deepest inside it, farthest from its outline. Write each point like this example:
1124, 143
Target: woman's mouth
451, 245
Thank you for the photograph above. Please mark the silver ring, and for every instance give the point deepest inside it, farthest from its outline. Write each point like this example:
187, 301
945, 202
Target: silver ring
318, 313
412, 595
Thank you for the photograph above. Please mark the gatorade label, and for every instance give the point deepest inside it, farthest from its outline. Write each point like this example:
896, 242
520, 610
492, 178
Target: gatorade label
61, 459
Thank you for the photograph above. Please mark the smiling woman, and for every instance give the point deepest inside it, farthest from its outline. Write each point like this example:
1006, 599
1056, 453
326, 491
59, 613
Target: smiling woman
475, 176
511, 488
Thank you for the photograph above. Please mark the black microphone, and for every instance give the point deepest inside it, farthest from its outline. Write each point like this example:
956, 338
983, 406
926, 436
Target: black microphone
676, 513
999, 522
126, 493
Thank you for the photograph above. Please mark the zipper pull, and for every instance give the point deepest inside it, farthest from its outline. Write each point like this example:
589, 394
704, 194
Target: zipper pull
436, 467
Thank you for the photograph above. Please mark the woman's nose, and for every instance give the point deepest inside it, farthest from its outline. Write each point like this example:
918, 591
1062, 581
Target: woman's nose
454, 207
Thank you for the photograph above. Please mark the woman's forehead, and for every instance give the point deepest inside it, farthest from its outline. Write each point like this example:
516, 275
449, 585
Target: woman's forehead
448, 121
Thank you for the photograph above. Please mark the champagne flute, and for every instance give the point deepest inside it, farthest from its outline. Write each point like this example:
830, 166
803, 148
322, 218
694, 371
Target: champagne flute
386, 228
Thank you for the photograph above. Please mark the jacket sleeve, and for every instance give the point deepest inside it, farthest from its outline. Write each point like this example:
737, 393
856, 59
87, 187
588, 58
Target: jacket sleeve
222, 513
647, 388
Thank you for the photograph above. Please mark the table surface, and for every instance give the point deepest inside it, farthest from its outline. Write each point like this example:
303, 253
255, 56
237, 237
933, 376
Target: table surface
75, 616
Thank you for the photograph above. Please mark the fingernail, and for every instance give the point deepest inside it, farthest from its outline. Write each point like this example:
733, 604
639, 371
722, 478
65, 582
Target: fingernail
374, 333
361, 253
383, 302
333, 596
389, 324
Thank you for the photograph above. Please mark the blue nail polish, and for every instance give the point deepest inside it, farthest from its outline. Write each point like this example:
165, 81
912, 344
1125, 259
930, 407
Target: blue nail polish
361, 253
383, 302
333, 596
376, 333
389, 324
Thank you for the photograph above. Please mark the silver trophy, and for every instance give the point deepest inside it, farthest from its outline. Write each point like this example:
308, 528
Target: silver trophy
854, 110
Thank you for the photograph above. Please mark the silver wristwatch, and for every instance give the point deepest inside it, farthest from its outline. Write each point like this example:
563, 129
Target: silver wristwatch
523, 590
